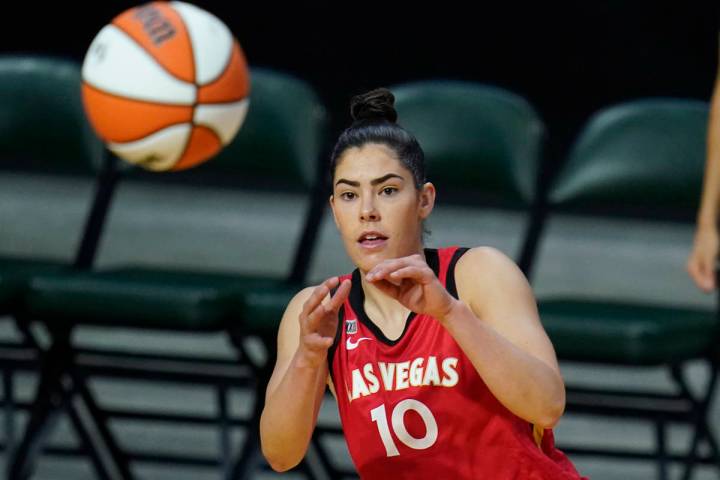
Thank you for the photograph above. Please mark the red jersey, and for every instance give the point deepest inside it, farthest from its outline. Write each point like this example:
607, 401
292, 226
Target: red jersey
415, 407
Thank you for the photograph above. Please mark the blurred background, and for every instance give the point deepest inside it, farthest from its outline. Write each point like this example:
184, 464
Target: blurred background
568, 59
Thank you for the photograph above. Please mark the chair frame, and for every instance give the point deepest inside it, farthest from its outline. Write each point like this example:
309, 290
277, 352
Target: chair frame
660, 408
65, 369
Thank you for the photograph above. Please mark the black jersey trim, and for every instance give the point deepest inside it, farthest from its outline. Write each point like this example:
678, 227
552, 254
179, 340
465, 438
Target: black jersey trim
357, 300
450, 284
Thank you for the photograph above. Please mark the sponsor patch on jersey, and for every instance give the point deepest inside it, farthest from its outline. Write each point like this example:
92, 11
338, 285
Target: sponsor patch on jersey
350, 327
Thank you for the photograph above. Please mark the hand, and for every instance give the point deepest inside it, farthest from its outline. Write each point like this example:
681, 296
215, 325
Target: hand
410, 281
318, 321
702, 262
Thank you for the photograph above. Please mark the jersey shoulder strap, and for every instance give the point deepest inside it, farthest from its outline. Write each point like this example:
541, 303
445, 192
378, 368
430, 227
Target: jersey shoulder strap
448, 260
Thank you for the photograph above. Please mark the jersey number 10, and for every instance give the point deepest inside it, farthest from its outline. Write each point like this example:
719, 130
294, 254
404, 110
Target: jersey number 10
379, 416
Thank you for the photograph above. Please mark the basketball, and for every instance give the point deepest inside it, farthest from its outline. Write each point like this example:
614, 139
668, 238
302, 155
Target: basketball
165, 85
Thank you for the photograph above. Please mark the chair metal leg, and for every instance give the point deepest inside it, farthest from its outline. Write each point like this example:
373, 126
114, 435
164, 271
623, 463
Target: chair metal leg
700, 422
99, 421
58, 385
329, 470
9, 410
87, 441
225, 443
250, 458
44, 413
660, 437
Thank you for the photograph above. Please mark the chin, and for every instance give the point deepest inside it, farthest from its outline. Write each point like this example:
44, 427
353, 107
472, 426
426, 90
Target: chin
365, 261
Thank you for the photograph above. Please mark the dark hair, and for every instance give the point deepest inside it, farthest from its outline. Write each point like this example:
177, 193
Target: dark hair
374, 121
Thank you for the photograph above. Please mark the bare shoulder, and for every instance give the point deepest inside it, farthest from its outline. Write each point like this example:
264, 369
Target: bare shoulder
485, 262
485, 275
497, 291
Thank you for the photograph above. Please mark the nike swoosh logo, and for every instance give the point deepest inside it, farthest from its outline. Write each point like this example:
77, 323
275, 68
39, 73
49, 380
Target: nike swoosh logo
350, 345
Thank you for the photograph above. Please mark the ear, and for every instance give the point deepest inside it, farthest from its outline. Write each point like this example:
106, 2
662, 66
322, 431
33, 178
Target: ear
426, 200
331, 200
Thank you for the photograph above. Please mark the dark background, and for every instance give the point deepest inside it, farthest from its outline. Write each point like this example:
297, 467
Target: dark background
567, 58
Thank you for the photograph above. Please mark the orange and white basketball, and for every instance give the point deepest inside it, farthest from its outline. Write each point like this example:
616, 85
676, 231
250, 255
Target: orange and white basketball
165, 85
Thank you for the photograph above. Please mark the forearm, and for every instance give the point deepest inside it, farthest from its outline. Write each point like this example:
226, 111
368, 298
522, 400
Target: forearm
290, 413
524, 384
708, 213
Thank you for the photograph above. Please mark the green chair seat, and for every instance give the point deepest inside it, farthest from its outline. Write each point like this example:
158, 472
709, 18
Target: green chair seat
14, 274
615, 332
263, 308
145, 298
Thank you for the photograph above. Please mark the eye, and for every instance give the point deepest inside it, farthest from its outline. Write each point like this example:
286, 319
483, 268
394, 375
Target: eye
347, 195
389, 191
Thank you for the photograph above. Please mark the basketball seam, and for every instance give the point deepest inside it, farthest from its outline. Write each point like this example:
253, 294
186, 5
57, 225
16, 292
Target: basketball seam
212, 130
232, 100
186, 30
227, 64
187, 142
217, 79
149, 102
149, 132
182, 152
185, 147
155, 59
153, 132
192, 47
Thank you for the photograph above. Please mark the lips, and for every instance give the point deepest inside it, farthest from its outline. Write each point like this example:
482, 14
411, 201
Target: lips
372, 239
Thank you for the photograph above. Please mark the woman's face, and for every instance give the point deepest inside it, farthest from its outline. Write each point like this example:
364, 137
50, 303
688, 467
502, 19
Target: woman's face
376, 206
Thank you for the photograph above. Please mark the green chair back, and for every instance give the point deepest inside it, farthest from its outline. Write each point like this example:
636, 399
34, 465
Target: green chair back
476, 138
637, 156
281, 139
42, 123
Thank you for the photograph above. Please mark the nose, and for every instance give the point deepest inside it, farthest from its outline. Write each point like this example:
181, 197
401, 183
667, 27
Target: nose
368, 212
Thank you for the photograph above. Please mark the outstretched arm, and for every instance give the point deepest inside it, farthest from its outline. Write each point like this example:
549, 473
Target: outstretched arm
701, 264
297, 385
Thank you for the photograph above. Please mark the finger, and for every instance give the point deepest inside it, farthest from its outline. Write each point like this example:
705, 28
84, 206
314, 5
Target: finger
382, 269
419, 274
387, 288
318, 295
331, 282
317, 342
392, 264
318, 317
341, 294
384, 276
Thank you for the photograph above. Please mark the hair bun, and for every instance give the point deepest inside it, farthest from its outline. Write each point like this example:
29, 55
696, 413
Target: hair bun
375, 105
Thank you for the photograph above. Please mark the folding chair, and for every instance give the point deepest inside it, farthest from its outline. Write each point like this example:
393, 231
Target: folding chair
482, 149
47, 153
43, 133
638, 160
278, 146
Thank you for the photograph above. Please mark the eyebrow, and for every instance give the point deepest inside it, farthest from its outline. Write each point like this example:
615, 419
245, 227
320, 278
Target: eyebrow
374, 182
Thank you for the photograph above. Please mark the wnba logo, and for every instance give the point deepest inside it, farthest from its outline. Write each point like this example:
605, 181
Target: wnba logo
350, 326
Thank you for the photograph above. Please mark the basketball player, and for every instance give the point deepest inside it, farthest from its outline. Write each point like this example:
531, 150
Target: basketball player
703, 259
437, 359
